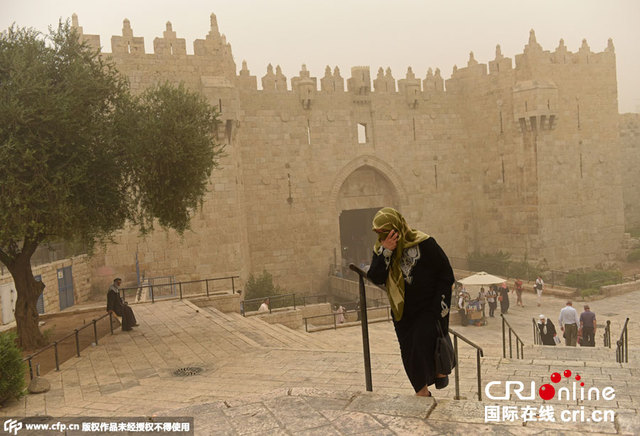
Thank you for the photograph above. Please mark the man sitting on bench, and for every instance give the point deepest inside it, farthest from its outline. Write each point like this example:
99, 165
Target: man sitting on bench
119, 307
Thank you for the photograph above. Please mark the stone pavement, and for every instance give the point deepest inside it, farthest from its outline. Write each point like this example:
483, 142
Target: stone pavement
255, 374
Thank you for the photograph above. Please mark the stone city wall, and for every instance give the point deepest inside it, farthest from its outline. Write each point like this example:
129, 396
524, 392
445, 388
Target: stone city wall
520, 158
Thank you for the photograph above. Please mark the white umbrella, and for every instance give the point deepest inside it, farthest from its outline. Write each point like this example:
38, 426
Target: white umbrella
482, 278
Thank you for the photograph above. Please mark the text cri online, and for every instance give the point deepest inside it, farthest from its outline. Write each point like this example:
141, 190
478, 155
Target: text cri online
580, 416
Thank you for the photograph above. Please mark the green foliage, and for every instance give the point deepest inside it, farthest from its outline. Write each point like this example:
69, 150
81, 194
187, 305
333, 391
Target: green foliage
634, 255
589, 292
261, 286
523, 270
80, 156
12, 368
174, 155
493, 263
584, 279
635, 232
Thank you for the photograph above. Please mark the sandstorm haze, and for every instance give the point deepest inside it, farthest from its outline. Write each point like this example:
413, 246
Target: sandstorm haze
397, 34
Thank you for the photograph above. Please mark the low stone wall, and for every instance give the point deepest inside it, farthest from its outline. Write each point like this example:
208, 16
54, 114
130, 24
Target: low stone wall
349, 290
225, 303
294, 319
623, 288
80, 271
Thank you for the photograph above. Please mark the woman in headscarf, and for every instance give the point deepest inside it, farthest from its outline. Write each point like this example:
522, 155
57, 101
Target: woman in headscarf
547, 331
418, 278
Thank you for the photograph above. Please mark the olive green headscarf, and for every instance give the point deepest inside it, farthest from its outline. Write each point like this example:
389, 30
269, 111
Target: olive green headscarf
388, 219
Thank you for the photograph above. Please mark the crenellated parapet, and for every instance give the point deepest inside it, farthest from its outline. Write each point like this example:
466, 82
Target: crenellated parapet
305, 87
384, 82
332, 82
169, 44
127, 43
245, 80
274, 81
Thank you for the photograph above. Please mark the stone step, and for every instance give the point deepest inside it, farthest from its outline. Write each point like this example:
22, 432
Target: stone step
280, 337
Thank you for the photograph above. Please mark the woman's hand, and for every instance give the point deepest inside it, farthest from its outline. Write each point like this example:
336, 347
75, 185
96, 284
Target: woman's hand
391, 241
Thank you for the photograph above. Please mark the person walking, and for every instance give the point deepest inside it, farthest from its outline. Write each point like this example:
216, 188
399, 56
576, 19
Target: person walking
547, 331
539, 288
588, 327
568, 321
492, 297
504, 299
518, 284
418, 278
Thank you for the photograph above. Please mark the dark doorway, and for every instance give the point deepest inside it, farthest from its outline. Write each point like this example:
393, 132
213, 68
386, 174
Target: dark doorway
356, 236
65, 287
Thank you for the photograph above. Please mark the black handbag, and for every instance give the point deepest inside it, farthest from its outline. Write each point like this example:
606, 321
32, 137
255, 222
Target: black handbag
444, 355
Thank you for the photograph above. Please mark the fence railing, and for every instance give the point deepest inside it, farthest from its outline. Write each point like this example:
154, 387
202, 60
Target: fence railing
519, 343
622, 346
178, 289
607, 334
335, 315
280, 301
537, 339
59, 343
479, 354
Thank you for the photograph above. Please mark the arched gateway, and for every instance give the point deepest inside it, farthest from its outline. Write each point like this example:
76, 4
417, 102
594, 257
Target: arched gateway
363, 187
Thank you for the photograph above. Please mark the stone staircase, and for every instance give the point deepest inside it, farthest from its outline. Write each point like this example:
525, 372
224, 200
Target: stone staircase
258, 333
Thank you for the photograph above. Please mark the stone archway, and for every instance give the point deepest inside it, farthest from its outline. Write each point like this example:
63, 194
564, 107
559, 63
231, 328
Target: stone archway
361, 194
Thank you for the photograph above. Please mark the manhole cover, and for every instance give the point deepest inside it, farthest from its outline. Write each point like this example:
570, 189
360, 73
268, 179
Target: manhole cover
188, 371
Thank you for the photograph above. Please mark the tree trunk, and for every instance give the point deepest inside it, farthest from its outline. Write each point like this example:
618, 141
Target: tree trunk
26, 314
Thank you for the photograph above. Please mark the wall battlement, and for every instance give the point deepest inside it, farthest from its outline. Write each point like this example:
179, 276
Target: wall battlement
215, 46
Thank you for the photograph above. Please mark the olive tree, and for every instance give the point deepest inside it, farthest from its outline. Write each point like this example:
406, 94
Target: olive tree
80, 156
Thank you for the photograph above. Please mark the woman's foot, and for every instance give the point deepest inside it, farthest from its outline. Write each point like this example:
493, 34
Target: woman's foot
442, 382
424, 392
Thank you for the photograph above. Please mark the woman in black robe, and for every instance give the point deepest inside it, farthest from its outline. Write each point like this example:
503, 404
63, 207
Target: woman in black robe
119, 307
504, 298
418, 277
547, 331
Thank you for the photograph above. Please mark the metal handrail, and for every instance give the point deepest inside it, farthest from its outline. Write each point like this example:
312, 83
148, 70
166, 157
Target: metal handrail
364, 323
75, 332
335, 314
479, 354
607, 334
622, 345
519, 343
179, 284
537, 339
281, 296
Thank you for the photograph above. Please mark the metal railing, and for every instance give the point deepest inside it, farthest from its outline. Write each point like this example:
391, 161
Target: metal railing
607, 334
76, 333
479, 354
280, 301
537, 339
519, 343
201, 287
387, 310
622, 346
364, 323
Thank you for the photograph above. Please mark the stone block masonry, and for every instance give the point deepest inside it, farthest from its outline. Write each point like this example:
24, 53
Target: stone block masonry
524, 158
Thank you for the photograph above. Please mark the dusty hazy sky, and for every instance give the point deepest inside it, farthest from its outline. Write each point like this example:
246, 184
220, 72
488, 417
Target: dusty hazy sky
395, 33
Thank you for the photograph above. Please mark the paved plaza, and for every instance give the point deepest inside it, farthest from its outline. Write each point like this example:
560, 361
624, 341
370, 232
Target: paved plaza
259, 378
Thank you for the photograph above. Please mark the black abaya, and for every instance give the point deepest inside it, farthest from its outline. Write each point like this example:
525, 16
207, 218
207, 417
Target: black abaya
430, 284
115, 303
